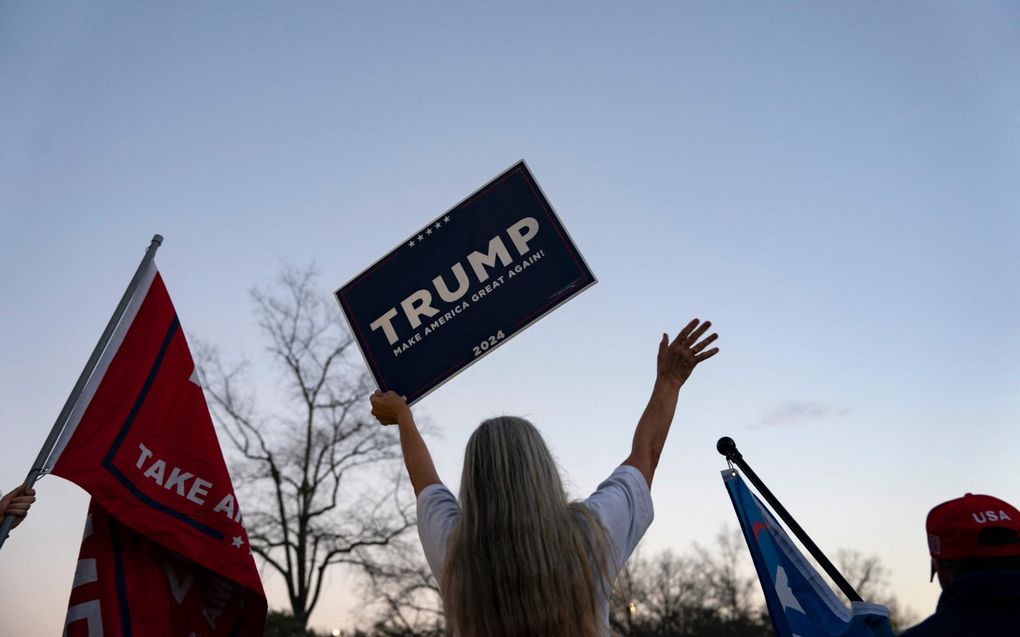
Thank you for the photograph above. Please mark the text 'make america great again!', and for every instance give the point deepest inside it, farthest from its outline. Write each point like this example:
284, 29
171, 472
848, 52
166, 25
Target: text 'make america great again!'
462, 285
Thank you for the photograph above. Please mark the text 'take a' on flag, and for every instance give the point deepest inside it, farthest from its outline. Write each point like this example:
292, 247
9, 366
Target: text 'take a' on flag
141, 441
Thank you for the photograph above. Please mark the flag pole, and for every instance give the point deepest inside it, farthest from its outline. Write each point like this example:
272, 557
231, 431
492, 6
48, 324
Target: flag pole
728, 448
38, 468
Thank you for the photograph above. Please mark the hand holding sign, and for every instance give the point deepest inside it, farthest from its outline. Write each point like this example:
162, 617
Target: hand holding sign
388, 407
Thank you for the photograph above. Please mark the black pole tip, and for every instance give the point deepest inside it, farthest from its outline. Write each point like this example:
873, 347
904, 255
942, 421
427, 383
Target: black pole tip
727, 447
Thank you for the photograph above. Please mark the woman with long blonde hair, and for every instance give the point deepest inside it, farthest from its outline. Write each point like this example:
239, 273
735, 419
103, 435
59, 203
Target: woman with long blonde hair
512, 556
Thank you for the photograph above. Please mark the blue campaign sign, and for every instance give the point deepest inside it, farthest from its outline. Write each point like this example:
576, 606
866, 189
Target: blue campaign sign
463, 285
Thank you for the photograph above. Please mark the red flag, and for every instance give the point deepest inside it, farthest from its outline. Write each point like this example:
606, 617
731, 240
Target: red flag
141, 441
126, 585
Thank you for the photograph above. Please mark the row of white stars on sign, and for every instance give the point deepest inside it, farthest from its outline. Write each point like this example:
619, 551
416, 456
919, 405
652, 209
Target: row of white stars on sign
428, 231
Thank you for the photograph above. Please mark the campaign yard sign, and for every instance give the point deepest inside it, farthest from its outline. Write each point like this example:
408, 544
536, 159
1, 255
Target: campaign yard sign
463, 285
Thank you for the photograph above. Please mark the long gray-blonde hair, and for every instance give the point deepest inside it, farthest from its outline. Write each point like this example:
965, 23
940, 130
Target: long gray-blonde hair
522, 561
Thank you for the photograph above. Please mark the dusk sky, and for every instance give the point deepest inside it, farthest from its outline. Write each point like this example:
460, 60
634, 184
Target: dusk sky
836, 186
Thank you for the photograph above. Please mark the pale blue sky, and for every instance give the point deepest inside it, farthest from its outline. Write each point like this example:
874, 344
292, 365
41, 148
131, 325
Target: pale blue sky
835, 186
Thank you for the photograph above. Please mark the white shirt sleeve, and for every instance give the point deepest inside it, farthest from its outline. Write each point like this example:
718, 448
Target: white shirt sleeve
438, 511
623, 504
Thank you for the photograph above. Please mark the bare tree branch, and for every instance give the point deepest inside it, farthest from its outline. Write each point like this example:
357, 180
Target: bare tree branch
302, 450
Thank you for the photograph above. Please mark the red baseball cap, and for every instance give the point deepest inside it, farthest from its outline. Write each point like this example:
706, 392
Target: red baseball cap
973, 526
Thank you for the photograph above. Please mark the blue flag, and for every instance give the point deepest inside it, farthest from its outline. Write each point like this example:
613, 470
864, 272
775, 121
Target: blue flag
799, 601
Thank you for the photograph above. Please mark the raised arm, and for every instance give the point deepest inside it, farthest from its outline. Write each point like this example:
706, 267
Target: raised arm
675, 363
391, 409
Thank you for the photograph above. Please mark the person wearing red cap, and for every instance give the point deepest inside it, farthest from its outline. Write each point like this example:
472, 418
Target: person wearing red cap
974, 543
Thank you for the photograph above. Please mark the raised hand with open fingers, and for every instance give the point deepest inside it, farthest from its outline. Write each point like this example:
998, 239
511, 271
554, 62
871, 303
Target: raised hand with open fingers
677, 360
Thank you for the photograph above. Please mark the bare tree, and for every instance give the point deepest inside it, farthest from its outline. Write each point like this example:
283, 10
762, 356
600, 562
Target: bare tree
708, 592
630, 591
870, 578
404, 595
729, 581
307, 462
664, 595
864, 572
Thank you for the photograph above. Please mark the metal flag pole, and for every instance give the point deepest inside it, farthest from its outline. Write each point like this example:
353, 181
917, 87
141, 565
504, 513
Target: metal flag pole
38, 467
728, 448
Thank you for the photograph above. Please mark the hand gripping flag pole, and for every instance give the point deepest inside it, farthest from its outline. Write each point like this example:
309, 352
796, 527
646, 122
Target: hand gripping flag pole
164, 550
728, 448
39, 466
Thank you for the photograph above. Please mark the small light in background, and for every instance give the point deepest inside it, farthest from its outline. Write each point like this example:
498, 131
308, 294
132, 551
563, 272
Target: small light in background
337, 632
